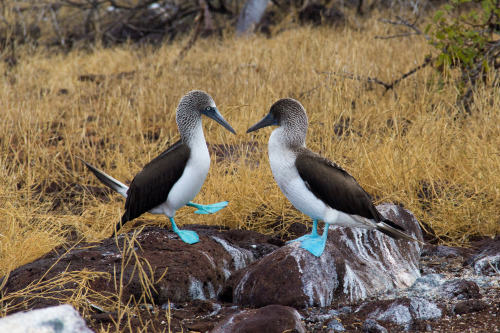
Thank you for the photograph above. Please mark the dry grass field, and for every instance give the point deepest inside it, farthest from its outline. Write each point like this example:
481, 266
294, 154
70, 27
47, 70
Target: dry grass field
416, 149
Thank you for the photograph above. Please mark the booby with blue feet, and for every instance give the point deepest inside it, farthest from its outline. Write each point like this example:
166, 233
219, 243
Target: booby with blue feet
172, 179
315, 185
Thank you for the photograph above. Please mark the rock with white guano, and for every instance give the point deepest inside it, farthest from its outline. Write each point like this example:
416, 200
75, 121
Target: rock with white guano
356, 264
180, 272
371, 326
487, 261
402, 311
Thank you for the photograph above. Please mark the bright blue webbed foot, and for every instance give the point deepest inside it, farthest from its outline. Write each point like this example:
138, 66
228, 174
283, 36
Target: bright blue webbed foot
314, 245
188, 236
313, 242
208, 209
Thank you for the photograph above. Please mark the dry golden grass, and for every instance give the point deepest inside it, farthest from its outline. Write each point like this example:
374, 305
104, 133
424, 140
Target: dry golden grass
394, 147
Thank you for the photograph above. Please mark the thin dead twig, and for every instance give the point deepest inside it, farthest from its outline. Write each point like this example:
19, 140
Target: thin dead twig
402, 22
387, 86
426, 62
308, 92
196, 33
203, 17
396, 36
357, 77
57, 29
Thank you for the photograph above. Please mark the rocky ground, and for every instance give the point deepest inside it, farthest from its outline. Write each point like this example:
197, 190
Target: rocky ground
449, 297
242, 281
452, 295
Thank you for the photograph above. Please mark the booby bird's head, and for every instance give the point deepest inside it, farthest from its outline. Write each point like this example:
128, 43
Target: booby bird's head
288, 114
194, 104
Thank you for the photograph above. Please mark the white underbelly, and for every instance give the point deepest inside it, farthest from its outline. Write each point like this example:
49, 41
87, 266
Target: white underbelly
291, 184
303, 199
188, 185
294, 188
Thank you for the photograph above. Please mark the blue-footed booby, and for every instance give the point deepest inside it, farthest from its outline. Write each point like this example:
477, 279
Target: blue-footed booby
172, 179
315, 185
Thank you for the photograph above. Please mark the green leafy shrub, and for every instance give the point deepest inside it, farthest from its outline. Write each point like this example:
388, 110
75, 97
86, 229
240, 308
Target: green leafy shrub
466, 33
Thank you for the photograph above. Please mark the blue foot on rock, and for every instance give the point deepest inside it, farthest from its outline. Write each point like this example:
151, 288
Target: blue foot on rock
208, 209
314, 245
188, 236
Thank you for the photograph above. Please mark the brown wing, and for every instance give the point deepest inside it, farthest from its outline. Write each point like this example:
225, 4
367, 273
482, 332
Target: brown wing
334, 186
151, 186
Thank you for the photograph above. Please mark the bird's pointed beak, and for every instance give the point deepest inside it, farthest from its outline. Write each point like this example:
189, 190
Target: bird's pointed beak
216, 115
268, 120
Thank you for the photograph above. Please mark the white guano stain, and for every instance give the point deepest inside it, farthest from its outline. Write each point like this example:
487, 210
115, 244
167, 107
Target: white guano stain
354, 287
225, 269
320, 269
241, 257
239, 288
196, 289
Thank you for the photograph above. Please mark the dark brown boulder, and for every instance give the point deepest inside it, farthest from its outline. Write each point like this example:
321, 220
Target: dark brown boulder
460, 289
191, 271
470, 306
269, 319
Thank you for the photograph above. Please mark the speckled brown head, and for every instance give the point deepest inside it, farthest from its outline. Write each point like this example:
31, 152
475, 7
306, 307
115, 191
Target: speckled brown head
289, 115
194, 104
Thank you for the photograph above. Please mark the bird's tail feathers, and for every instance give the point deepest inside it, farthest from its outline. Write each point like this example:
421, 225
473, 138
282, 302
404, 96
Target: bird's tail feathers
393, 225
107, 180
395, 231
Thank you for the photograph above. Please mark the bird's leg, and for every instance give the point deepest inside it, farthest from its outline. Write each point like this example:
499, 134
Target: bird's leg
312, 235
316, 245
187, 236
314, 232
208, 209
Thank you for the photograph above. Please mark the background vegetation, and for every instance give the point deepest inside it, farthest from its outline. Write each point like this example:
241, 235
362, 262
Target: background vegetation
115, 107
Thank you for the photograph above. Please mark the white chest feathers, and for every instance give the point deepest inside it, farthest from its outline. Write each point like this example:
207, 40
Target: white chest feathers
285, 173
192, 179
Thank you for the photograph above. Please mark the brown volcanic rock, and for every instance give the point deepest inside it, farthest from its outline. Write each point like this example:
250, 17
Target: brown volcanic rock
192, 271
287, 276
269, 319
444, 288
460, 289
402, 311
487, 260
470, 306
356, 264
